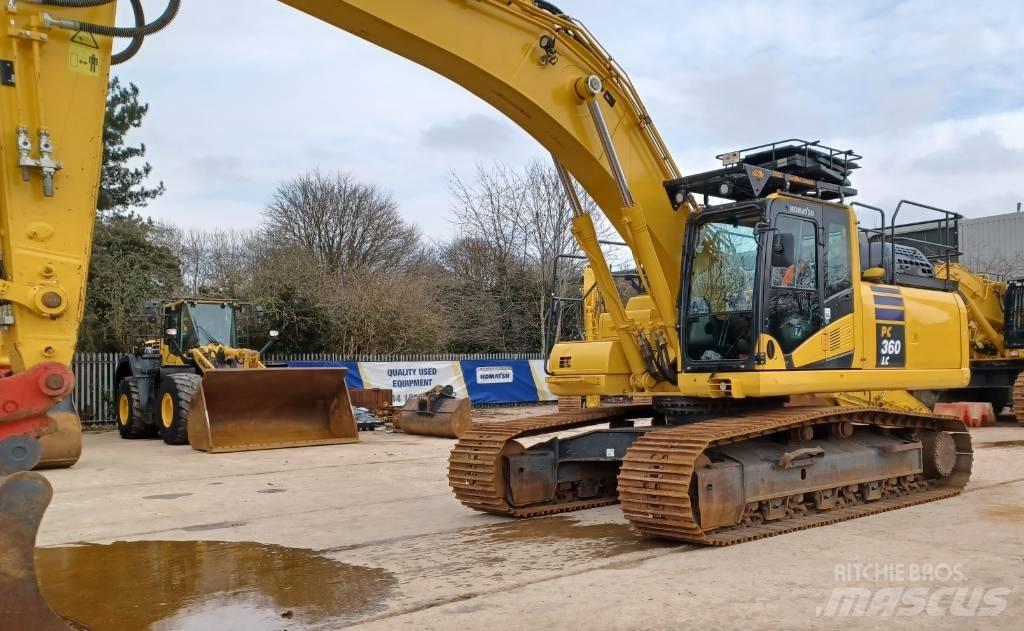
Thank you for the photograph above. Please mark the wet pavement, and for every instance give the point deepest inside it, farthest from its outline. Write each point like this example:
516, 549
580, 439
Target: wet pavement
369, 535
206, 585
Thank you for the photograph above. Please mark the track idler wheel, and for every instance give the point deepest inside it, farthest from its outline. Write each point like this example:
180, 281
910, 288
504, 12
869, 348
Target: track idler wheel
939, 454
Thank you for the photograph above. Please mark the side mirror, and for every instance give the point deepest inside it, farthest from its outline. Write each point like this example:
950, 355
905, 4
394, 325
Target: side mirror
260, 313
272, 337
873, 275
783, 249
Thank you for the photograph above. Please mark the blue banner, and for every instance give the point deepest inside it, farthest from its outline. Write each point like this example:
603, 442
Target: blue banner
353, 380
499, 380
482, 380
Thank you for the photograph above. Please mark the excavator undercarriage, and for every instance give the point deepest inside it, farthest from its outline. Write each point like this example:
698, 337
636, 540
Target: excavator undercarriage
718, 474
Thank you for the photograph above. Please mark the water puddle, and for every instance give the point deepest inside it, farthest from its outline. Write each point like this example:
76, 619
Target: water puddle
193, 585
605, 539
1003, 443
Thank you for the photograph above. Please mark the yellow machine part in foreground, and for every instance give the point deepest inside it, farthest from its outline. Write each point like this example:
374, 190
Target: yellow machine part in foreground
270, 408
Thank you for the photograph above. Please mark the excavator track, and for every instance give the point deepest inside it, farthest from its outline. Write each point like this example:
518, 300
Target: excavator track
475, 464
1018, 398
657, 473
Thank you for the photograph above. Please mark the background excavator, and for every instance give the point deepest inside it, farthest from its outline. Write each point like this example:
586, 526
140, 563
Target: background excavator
746, 302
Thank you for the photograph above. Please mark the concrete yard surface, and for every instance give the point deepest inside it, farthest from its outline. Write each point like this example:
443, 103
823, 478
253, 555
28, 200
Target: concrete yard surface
143, 535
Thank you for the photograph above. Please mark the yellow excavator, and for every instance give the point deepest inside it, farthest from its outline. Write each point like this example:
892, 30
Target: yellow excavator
996, 332
748, 301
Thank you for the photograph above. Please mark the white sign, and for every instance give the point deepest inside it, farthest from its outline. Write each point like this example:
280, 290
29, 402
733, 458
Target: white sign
408, 379
495, 374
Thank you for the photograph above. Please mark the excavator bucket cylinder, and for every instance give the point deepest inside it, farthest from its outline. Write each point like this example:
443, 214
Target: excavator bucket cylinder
245, 410
444, 417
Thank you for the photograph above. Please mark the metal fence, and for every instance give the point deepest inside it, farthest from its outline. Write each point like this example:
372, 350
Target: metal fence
94, 374
94, 386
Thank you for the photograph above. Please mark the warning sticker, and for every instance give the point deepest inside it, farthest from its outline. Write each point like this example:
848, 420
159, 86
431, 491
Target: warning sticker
84, 54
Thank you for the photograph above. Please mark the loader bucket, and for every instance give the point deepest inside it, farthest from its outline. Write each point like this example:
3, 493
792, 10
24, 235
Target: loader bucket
269, 408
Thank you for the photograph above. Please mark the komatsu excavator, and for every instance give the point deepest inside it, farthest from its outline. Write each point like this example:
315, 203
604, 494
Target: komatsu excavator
746, 303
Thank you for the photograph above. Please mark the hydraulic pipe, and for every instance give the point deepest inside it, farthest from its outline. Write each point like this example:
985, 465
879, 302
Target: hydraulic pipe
634, 218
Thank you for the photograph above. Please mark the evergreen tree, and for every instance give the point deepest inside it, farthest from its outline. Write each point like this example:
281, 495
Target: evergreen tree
122, 186
129, 264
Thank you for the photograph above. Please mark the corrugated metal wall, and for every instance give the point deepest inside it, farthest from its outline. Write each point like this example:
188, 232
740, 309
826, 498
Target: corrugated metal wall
994, 244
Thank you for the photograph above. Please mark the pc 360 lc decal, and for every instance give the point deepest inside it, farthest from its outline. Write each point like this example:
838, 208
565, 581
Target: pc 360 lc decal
892, 347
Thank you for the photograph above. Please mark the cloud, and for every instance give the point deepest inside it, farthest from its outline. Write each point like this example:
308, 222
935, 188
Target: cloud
219, 171
913, 85
475, 132
982, 151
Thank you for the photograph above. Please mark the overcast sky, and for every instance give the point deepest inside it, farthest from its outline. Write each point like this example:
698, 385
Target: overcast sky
245, 94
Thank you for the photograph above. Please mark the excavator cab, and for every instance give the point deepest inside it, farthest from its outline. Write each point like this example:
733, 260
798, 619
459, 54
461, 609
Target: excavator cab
763, 278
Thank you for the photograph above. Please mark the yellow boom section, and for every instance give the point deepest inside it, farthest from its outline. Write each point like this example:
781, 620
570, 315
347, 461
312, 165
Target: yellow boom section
983, 296
53, 86
535, 68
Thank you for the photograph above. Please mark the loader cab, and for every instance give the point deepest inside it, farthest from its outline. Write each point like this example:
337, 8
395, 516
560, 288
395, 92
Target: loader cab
192, 323
761, 279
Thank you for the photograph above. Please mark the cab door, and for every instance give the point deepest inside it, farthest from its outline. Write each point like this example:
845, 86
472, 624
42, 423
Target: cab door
793, 315
837, 316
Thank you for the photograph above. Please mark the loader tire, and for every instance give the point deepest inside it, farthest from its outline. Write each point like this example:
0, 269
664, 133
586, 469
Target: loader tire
131, 418
172, 406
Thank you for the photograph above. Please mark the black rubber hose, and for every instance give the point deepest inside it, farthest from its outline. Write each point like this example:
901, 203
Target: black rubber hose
136, 44
547, 6
73, 4
132, 31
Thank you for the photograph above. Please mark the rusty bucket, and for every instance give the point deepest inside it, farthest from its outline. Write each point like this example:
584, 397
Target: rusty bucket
270, 408
444, 417
63, 446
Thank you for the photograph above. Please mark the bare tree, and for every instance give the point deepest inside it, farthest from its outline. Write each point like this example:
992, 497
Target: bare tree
347, 224
522, 220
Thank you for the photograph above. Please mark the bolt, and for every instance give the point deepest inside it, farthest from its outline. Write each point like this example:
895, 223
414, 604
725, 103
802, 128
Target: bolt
10, 406
52, 300
49, 351
48, 270
55, 382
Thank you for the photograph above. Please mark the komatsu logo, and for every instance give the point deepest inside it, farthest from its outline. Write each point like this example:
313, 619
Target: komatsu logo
800, 210
495, 374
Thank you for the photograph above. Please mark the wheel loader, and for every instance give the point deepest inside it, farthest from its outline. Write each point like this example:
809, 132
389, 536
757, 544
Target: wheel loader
194, 385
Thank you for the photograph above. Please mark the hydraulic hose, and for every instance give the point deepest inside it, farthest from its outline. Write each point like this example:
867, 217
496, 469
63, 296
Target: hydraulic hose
71, 4
136, 44
547, 6
117, 31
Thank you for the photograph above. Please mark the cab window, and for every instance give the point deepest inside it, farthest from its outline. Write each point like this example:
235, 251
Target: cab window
837, 256
793, 300
719, 322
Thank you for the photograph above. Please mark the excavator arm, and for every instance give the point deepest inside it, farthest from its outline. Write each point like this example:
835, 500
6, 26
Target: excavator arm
540, 68
549, 75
